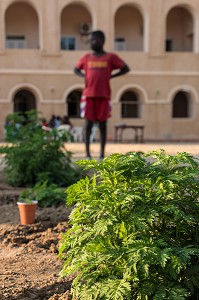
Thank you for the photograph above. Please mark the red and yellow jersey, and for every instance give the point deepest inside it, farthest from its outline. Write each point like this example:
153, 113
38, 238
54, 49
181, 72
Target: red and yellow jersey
98, 71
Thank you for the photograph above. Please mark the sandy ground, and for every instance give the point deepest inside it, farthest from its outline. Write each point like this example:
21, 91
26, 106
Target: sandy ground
78, 149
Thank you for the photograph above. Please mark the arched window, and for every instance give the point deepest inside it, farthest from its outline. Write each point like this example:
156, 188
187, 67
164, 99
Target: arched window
179, 35
22, 26
73, 101
76, 23
24, 100
130, 105
129, 31
180, 108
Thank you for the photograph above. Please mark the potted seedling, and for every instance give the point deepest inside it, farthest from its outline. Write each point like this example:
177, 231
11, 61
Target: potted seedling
43, 193
27, 204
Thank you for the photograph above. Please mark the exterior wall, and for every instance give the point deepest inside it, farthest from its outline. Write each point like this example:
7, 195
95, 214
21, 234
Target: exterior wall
155, 75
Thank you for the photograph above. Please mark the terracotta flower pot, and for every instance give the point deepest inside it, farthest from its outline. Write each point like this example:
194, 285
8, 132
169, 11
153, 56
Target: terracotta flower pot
27, 212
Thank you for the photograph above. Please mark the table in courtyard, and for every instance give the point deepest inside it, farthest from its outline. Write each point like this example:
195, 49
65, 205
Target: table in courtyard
138, 132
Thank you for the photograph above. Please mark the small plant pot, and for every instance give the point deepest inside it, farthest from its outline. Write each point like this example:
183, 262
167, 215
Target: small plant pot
27, 212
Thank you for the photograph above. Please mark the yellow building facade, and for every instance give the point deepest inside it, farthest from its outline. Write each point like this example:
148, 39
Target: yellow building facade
41, 41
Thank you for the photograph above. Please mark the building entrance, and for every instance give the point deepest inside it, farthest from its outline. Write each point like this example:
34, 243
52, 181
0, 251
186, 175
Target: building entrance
24, 100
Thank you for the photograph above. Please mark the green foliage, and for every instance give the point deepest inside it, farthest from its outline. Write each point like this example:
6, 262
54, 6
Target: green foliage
36, 155
13, 123
46, 195
134, 230
18, 125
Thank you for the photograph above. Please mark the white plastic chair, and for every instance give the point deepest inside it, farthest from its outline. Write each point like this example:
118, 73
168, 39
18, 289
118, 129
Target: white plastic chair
77, 133
93, 133
63, 129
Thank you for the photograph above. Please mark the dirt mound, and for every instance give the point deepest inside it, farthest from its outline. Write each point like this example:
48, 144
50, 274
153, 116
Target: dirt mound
28, 254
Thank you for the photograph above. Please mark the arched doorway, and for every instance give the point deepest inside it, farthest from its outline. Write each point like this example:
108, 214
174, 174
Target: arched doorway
76, 23
22, 26
179, 35
73, 103
129, 24
24, 100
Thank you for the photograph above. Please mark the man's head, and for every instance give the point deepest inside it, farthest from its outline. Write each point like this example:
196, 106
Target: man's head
97, 40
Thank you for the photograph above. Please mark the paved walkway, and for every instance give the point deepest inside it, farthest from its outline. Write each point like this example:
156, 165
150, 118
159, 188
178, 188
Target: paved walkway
78, 149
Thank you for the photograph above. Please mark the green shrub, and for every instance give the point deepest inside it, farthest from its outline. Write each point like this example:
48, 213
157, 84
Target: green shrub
135, 230
38, 156
13, 123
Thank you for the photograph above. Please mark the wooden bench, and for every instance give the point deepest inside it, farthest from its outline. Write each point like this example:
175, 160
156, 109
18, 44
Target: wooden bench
138, 132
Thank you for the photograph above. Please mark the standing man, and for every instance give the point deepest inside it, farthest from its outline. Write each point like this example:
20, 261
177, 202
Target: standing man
96, 68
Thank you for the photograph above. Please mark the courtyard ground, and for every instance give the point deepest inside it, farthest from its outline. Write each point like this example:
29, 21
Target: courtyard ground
28, 254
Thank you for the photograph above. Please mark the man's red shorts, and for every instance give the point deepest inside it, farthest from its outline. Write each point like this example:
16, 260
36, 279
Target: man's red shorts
95, 109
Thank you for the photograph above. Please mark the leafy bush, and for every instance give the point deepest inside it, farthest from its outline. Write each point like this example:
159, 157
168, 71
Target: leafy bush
13, 123
38, 156
135, 230
46, 195
18, 124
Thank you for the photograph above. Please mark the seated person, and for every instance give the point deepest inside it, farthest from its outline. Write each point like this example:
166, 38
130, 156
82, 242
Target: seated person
66, 121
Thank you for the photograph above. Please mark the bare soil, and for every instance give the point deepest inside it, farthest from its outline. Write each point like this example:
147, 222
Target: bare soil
29, 263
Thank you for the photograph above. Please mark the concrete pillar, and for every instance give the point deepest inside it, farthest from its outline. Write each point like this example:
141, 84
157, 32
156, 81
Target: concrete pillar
50, 30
